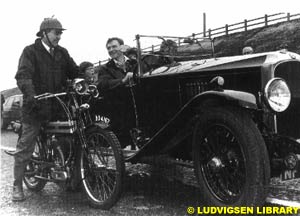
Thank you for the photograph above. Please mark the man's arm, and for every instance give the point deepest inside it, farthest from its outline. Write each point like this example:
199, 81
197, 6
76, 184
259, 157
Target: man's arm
25, 73
72, 68
105, 79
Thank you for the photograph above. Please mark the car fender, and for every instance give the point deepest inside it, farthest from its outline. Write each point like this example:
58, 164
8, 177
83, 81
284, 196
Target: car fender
162, 142
238, 98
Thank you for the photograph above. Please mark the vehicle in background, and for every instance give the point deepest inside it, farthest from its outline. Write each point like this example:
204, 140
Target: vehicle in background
11, 112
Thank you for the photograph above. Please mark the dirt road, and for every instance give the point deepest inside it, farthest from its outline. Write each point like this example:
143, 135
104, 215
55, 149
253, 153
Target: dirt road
143, 194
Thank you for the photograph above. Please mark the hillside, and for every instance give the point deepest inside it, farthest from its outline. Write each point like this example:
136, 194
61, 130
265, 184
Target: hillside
285, 35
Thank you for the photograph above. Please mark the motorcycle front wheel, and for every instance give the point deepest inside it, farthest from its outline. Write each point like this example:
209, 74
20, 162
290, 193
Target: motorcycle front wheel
102, 168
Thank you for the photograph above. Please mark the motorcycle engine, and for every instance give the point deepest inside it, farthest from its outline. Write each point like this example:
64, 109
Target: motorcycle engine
62, 154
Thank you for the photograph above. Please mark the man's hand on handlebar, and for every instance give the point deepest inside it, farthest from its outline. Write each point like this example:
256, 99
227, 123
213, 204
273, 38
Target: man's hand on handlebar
33, 103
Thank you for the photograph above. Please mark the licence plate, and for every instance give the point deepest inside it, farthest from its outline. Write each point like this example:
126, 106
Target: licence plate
289, 174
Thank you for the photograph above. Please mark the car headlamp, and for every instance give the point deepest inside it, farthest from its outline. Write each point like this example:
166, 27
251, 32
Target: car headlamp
277, 94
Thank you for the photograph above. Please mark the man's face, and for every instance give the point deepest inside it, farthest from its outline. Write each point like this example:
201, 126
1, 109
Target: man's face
54, 36
113, 49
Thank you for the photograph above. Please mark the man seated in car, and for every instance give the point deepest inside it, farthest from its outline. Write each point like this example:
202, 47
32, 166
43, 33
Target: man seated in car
131, 53
118, 71
115, 79
164, 57
169, 48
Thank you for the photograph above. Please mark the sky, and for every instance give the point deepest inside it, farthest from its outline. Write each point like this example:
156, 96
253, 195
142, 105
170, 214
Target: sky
90, 23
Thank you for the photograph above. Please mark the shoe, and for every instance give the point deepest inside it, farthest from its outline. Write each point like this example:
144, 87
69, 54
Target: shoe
18, 194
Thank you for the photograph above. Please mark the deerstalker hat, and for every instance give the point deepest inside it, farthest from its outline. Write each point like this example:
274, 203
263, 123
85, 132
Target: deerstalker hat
49, 23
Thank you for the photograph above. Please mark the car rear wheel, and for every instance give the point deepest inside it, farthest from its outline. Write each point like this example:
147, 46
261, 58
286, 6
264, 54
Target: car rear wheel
230, 159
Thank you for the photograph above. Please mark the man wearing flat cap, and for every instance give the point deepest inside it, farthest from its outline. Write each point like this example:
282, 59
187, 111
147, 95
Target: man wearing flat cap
43, 67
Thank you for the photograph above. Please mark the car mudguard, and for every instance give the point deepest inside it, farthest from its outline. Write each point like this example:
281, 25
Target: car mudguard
160, 142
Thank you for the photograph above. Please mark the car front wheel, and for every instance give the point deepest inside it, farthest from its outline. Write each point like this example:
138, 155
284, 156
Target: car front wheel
230, 158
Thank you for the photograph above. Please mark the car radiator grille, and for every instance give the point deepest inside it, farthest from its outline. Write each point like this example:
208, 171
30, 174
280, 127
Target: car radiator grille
289, 121
194, 88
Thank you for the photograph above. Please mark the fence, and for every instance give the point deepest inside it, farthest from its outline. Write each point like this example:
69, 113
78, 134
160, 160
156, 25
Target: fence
246, 25
264, 21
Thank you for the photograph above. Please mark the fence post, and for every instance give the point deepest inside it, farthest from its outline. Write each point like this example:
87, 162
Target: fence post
266, 20
204, 25
209, 33
226, 29
245, 23
288, 17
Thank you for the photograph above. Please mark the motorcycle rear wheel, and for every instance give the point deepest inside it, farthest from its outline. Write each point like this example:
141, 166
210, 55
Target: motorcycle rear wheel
102, 168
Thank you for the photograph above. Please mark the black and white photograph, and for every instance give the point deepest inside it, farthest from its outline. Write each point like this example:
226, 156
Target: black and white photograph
150, 107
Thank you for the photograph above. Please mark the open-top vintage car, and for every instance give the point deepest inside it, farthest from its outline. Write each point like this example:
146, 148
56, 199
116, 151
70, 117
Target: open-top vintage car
235, 118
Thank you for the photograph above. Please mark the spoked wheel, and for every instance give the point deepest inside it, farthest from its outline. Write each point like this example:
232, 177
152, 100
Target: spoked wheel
34, 168
230, 158
102, 168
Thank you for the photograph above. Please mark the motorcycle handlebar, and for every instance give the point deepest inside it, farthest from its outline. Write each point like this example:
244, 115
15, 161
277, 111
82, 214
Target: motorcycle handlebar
49, 95
94, 92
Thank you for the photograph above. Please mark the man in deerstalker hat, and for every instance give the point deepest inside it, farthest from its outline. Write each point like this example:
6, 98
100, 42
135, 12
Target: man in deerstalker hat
43, 67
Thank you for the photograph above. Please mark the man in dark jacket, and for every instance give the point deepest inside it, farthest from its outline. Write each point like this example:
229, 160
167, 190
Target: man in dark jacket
43, 67
118, 71
114, 76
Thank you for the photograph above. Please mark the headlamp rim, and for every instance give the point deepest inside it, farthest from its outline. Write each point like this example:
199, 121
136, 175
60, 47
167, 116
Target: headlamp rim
82, 82
269, 83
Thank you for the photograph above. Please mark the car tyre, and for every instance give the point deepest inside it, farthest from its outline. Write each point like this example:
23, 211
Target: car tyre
230, 158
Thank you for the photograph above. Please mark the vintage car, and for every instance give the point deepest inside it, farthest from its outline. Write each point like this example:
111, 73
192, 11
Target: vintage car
236, 119
11, 110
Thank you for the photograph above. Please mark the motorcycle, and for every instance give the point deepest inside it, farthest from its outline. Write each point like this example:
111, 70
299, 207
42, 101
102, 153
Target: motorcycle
77, 146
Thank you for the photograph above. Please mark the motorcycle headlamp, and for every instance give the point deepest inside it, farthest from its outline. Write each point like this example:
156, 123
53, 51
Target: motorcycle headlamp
277, 94
80, 86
